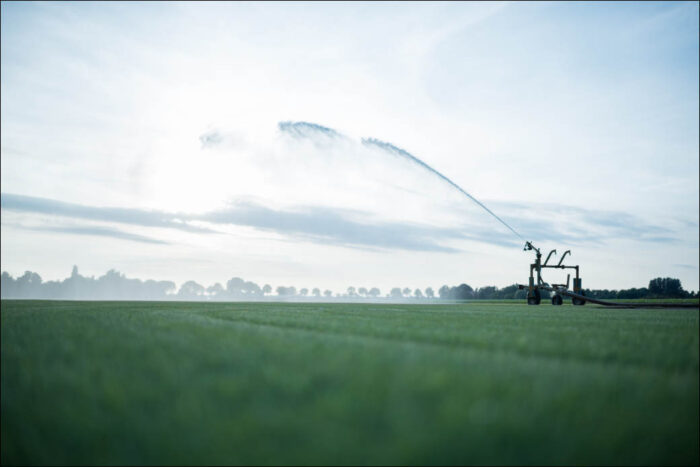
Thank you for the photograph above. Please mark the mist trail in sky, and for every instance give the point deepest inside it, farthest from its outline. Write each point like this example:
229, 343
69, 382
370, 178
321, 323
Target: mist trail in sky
388, 147
307, 130
310, 130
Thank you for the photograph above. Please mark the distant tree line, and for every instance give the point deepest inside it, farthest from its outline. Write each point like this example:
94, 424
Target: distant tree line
661, 287
114, 285
466, 292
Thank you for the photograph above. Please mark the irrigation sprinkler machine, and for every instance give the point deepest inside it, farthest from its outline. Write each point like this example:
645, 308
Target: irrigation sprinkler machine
534, 296
558, 291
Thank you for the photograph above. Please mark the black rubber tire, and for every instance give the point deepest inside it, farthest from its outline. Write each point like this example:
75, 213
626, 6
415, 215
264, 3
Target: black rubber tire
557, 300
578, 301
535, 298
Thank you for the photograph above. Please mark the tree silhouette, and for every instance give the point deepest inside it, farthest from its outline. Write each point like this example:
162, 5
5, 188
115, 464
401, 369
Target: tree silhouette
666, 287
462, 292
29, 284
215, 290
235, 286
486, 293
286, 291
251, 288
190, 289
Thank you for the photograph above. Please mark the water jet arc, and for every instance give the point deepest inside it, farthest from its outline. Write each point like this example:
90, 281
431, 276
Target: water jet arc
402, 153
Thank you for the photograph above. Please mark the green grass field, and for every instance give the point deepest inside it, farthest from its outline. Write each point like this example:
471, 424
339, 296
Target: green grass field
239, 383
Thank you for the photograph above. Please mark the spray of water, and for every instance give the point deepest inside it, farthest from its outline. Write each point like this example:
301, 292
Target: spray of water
307, 130
390, 148
310, 130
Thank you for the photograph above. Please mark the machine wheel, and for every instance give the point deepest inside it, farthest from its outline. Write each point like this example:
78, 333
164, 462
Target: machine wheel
556, 299
578, 301
535, 298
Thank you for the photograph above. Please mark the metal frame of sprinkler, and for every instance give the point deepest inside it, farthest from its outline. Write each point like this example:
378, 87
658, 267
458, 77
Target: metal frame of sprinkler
577, 296
534, 296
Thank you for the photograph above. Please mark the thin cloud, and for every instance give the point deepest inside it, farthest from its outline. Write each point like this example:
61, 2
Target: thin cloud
318, 224
100, 232
146, 218
341, 227
578, 225
336, 227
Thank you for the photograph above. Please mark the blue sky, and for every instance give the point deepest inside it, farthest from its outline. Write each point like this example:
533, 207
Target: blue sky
145, 137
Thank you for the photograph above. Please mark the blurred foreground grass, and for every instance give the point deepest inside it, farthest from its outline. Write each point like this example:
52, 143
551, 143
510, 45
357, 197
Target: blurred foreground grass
276, 383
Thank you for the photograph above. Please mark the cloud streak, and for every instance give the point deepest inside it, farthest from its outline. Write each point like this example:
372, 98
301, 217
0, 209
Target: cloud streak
577, 225
146, 218
337, 227
99, 232
323, 225
344, 227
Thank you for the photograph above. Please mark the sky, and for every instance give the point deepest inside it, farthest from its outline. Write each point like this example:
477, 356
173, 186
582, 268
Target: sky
323, 144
